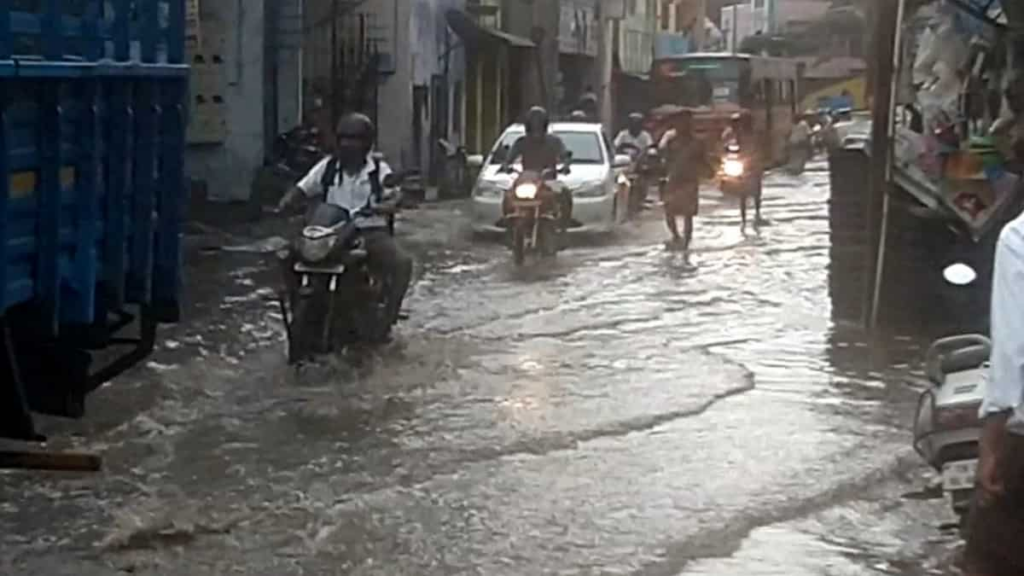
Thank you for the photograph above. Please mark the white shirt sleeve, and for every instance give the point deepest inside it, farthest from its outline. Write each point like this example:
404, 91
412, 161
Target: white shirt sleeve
646, 141
311, 183
666, 138
383, 170
1005, 389
619, 139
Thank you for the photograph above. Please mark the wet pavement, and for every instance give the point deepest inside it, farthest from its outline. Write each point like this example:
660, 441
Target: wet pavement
623, 410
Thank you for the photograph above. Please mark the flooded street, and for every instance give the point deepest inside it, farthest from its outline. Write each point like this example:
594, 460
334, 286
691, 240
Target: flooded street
623, 410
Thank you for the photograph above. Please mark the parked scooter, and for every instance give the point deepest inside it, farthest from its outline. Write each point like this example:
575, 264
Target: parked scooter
297, 151
947, 427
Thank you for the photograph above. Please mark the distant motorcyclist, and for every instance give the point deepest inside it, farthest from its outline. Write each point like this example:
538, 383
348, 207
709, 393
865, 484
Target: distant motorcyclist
741, 134
540, 150
353, 179
589, 105
634, 140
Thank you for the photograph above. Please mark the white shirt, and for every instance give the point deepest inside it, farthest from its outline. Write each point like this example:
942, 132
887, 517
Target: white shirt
349, 191
642, 141
1005, 388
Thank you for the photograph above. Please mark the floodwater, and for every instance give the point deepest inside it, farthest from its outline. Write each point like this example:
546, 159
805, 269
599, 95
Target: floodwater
622, 410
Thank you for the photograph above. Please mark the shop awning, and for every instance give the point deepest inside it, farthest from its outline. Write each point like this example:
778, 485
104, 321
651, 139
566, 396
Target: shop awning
473, 33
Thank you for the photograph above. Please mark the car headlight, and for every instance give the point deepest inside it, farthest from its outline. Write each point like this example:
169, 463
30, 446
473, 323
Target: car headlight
526, 191
488, 189
590, 190
733, 168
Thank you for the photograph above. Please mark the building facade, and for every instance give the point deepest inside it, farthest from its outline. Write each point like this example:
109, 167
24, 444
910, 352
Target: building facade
246, 85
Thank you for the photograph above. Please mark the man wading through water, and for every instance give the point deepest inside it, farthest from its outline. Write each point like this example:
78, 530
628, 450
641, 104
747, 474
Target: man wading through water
687, 163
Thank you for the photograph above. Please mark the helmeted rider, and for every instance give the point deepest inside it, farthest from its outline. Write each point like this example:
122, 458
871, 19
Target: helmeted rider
540, 151
589, 104
351, 178
578, 116
634, 140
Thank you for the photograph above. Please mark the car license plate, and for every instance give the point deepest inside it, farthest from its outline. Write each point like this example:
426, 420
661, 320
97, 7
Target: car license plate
959, 475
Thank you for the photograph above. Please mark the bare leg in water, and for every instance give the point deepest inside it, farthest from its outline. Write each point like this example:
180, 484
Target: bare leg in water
673, 228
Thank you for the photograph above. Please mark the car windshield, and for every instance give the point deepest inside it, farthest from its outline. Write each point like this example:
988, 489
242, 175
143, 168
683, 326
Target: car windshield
698, 81
584, 146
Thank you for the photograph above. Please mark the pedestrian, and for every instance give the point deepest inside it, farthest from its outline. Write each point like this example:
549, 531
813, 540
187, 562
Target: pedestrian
996, 522
688, 162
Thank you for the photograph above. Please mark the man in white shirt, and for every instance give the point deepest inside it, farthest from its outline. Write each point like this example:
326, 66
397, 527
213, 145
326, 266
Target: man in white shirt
997, 518
353, 179
634, 140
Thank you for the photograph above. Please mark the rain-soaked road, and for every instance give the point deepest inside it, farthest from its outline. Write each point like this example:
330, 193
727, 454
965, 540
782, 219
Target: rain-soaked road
626, 410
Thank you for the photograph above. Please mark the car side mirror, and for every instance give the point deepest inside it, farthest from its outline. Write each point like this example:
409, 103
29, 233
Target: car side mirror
622, 161
475, 161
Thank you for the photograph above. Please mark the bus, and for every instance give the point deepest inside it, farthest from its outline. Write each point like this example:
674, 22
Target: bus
717, 86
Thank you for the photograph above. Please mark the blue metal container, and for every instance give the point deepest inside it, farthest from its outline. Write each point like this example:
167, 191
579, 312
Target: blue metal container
92, 140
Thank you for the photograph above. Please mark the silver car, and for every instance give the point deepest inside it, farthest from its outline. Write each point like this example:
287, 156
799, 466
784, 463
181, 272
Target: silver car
597, 179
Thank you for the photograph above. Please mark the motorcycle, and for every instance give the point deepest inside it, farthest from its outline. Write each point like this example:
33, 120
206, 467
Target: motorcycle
947, 427
532, 214
733, 177
334, 298
643, 171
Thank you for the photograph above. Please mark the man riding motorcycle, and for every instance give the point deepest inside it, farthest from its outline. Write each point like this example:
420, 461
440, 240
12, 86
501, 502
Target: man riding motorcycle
353, 179
541, 151
740, 133
634, 137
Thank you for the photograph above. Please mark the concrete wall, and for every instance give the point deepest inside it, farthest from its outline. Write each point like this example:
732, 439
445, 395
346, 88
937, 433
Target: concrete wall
395, 120
229, 168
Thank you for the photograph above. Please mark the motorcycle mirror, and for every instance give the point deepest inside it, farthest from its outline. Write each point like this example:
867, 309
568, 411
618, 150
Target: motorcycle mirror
392, 180
959, 274
475, 161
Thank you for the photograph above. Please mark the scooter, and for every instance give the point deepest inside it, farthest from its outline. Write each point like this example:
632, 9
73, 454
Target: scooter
947, 427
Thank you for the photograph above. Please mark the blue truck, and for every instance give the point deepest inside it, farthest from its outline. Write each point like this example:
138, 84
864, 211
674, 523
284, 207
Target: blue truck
93, 104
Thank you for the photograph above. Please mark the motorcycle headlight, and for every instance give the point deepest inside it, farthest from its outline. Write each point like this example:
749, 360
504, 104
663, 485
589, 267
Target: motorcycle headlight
526, 191
595, 190
733, 168
315, 250
487, 189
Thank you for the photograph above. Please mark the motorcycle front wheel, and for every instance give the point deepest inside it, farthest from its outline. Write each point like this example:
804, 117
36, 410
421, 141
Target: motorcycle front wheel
302, 332
519, 245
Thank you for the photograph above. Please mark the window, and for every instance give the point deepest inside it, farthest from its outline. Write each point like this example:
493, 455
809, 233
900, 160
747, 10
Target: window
632, 6
666, 15
584, 146
680, 25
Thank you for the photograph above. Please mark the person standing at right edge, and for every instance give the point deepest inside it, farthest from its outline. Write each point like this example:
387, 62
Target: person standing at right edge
687, 162
995, 529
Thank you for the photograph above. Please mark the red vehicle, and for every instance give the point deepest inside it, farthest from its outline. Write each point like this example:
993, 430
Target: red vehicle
716, 86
